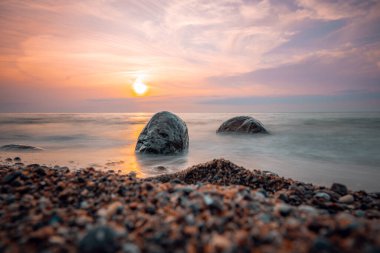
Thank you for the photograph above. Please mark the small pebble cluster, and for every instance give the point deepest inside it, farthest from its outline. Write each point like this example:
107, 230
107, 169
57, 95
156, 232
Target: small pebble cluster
212, 207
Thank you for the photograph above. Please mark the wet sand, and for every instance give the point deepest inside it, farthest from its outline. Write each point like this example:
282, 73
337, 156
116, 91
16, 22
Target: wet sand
212, 207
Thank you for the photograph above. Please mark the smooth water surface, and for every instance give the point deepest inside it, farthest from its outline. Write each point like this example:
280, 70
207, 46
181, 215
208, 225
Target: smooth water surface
320, 148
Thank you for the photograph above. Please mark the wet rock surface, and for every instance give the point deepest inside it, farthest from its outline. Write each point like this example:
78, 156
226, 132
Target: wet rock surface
242, 124
165, 134
212, 207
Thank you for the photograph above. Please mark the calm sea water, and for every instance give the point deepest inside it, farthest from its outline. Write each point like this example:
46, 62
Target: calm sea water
320, 148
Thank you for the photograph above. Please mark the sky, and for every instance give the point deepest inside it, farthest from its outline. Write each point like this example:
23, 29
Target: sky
194, 55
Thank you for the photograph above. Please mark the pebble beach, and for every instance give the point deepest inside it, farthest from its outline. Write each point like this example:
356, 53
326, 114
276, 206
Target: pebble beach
212, 207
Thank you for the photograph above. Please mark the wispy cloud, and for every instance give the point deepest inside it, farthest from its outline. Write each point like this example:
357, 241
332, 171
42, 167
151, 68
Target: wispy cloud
191, 48
318, 73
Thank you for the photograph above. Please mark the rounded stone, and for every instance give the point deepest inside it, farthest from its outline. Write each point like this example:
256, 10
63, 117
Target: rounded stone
165, 134
341, 189
323, 196
347, 199
99, 240
242, 124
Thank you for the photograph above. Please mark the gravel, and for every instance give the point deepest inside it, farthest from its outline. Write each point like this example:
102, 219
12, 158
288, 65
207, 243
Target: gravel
212, 207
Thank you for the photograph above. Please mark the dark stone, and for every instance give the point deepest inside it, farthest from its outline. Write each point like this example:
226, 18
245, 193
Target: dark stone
40, 171
165, 133
81, 180
322, 245
148, 186
9, 178
55, 219
99, 240
294, 200
176, 181
283, 197
341, 189
160, 168
150, 209
17, 159
130, 226
242, 124
122, 191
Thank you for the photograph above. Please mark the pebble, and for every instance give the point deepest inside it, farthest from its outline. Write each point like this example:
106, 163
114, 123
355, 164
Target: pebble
130, 248
99, 240
219, 243
9, 178
347, 199
341, 189
322, 195
308, 209
211, 207
111, 209
283, 209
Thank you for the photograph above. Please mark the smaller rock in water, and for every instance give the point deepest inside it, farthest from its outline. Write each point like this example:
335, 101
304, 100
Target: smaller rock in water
339, 188
18, 147
17, 159
160, 168
347, 199
242, 124
99, 240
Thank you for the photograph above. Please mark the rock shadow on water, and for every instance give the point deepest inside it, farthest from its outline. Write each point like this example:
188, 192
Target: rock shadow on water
151, 164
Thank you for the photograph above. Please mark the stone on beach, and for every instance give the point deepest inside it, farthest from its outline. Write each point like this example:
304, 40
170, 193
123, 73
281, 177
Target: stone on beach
341, 189
224, 172
98, 240
347, 199
165, 134
242, 124
212, 207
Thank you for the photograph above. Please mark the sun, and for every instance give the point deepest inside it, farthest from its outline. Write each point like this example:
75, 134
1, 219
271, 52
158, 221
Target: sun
139, 87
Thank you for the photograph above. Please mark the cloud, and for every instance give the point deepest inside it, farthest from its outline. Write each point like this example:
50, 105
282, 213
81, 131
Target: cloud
188, 48
315, 74
343, 96
339, 9
348, 101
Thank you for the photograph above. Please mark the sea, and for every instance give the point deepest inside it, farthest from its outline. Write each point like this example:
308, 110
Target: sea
318, 148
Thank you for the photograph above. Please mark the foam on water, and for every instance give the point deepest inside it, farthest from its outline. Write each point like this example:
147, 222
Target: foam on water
315, 147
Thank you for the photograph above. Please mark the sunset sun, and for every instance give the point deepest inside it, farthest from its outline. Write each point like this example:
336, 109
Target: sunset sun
139, 87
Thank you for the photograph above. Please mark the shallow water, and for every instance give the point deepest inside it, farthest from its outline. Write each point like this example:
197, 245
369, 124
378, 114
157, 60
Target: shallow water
320, 148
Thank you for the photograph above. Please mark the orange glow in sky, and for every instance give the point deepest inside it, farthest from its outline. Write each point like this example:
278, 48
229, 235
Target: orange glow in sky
196, 56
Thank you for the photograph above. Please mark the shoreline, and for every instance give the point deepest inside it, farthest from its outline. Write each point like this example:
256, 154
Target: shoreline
212, 207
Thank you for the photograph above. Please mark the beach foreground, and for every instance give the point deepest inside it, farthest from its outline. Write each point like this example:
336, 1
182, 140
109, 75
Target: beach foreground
212, 207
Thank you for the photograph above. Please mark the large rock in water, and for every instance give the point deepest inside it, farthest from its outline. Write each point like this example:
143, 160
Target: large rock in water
242, 124
165, 133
